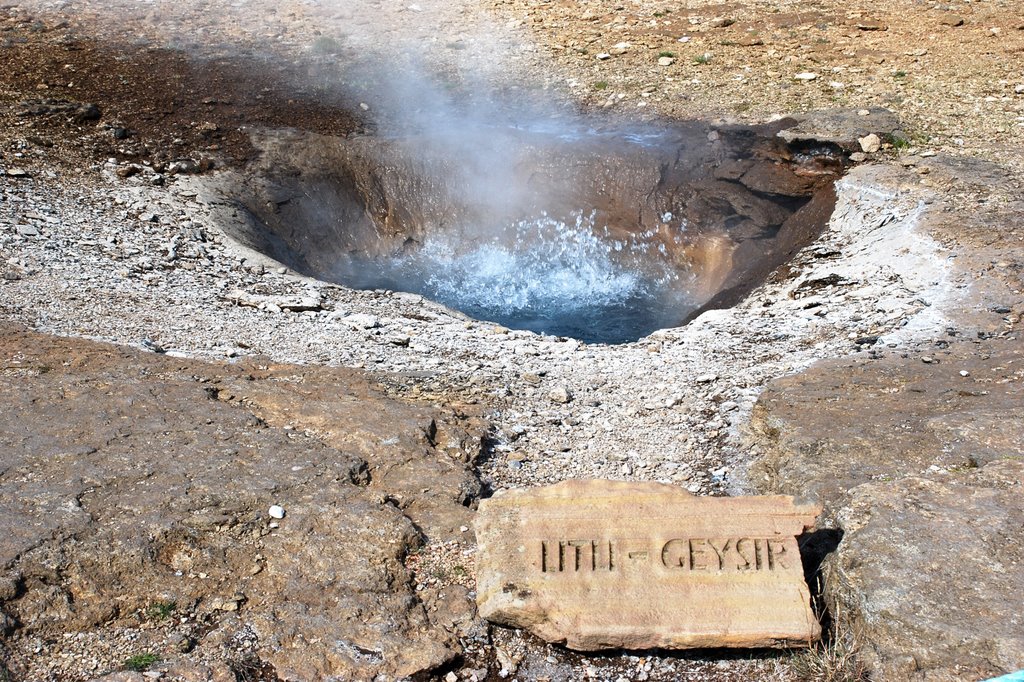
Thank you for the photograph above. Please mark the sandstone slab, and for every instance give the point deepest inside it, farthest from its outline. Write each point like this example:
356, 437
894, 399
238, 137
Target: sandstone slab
603, 564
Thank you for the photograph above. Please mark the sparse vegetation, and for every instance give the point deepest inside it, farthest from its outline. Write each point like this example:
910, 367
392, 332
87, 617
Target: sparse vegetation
702, 58
601, 85
161, 610
899, 74
899, 142
326, 45
834, 660
667, 53
141, 662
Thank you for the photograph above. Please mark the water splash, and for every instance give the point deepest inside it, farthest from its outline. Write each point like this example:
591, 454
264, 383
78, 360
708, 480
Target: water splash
564, 278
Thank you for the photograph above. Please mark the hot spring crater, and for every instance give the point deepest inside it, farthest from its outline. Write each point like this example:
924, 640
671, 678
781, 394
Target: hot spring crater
603, 234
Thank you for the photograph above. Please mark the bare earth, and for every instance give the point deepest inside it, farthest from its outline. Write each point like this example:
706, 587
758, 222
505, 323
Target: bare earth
910, 304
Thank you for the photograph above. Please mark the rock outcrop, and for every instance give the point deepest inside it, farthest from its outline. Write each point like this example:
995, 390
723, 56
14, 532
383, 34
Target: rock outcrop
133, 479
918, 460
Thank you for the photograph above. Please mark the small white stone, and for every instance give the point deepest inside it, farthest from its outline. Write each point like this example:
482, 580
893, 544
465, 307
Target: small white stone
870, 144
805, 76
666, 61
964, 373
463, 529
276, 511
560, 395
361, 321
603, 56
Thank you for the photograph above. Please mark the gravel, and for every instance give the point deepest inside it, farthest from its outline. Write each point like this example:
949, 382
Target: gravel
669, 407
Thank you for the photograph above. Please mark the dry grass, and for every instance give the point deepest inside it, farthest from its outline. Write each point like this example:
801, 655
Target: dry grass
834, 659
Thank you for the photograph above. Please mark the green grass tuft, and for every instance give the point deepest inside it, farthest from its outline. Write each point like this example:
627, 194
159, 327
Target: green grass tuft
141, 662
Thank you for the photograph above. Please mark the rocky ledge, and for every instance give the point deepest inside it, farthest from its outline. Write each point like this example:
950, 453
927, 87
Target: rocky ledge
249, 514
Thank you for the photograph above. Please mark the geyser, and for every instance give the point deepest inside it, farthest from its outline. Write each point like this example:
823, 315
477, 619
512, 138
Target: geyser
603, 235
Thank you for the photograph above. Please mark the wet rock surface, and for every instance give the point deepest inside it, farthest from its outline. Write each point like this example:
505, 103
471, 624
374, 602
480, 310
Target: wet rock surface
137, 488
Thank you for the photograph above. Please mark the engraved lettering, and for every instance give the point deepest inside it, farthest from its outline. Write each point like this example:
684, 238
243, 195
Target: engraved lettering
720, 552
745, 556
697, 552
575, 556
693, 554
777, 554
673, 553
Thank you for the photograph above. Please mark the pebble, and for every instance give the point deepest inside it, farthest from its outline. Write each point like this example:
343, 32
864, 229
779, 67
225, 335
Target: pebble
872, 26
805, 76
361, 321
560, 395
276, 511
870, 144
964, 373
666, 61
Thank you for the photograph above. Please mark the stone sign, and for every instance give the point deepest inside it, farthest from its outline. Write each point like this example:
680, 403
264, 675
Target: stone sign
607, 564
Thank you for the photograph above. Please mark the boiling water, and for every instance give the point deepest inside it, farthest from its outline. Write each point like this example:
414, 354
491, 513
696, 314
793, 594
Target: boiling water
563, 278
